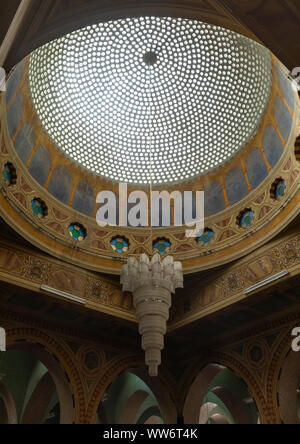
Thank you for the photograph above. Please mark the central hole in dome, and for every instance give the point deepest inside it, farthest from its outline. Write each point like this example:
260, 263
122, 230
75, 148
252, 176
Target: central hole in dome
150, 58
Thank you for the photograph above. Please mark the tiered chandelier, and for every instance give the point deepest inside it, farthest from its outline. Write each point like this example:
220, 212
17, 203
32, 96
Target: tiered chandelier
152, 283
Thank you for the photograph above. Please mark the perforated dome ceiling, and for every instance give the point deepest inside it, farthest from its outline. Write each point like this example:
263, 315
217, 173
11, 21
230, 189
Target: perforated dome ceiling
198, 89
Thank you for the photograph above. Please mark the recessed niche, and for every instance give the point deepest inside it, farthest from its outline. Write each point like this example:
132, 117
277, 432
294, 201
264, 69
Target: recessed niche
245, 218
9, 174
162, 245
278, 189
39, 208
206, 238
120, 244
77, 232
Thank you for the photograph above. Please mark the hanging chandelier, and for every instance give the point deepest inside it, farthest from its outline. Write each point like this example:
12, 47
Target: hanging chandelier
152, 283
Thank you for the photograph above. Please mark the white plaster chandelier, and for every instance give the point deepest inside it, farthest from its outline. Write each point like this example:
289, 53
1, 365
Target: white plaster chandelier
152, 283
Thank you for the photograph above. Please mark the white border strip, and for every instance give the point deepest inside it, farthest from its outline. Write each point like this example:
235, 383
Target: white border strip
267, 281
63, 294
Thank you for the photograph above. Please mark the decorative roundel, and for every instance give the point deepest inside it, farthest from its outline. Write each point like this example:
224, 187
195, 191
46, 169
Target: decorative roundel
198, 90
39, 208
256, 354
162, 245
120, 244
9, 174
245, 219
206, 237
77, 232
278, 189
92, 360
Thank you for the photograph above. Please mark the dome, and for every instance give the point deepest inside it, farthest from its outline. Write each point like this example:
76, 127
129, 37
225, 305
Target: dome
200, 98
161, 104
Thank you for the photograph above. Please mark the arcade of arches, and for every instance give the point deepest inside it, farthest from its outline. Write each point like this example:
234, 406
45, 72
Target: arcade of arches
191, 95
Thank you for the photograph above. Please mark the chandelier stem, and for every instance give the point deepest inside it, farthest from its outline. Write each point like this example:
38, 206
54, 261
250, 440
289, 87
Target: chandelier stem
150, 148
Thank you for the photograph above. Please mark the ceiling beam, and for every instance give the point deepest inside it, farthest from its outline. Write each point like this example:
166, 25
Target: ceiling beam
224, 10
293, 8
16, 24
261, 32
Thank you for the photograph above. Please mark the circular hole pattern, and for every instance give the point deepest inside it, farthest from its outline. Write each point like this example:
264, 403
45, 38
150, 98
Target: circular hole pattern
202, 90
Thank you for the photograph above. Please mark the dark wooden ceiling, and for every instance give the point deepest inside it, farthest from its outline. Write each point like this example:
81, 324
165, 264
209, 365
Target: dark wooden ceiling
231, 325
7, 14
275, 23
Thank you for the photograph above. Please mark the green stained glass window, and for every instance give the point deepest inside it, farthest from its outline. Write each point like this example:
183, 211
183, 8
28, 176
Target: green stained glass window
120, 244
77, 232
39, 208
9, 174
246, 219
278, 189
162, 245
206, 237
